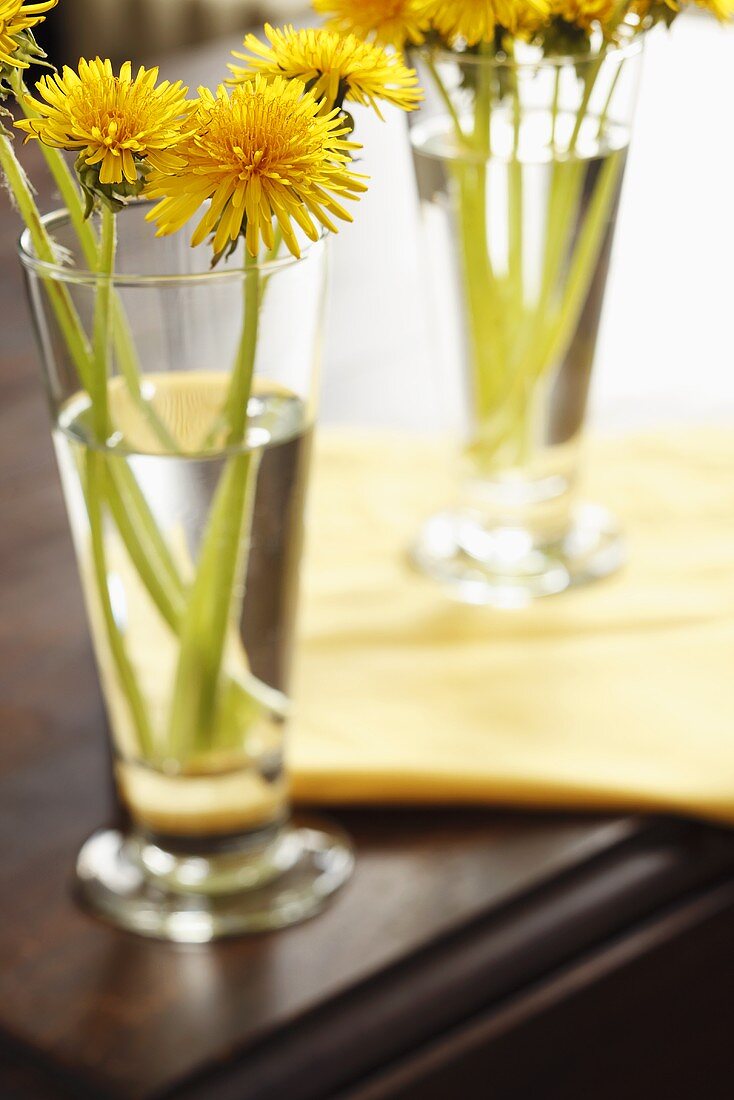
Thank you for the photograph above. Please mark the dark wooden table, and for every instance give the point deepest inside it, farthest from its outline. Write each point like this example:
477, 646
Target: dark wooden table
473, 954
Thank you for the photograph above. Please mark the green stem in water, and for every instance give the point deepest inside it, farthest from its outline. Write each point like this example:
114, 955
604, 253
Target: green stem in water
539, 341
144, 543
481, 286
485, 299
97, 483
483, 296
209, 611
207, 616
554, 107
553, 339
95, 487
563, 205
515, 197
585, 257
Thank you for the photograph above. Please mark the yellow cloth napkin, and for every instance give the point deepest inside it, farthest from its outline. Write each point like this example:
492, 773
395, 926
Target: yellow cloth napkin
615, 696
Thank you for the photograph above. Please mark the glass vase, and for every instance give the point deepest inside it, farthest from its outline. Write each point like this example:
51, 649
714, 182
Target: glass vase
519, 164
183, 406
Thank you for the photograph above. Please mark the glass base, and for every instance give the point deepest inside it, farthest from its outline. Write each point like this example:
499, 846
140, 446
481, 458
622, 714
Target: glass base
133, 884
508, 567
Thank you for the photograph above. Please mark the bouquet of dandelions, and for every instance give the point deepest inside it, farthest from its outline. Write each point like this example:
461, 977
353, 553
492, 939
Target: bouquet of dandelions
265, 162
521, 83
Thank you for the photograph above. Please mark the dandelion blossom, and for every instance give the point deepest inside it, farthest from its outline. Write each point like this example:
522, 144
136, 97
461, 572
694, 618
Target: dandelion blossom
387, 22
17, 18
475, 21
261, 152
722, 9
118, 123
587, 14
333, 67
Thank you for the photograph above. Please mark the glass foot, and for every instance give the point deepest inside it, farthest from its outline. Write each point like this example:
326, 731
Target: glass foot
509, 567
140, 887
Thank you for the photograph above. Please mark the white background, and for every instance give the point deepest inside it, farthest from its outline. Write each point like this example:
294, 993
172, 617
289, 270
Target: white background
666, 350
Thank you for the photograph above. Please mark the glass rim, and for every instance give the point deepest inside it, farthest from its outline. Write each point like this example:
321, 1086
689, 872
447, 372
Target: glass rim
624, 50
79, 276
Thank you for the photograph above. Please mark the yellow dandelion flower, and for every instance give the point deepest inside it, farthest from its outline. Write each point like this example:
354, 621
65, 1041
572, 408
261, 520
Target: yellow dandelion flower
387, 22
523, 18
476, 21
586, 14
722, 9
261, 152
333, 67
17, 17
116, 122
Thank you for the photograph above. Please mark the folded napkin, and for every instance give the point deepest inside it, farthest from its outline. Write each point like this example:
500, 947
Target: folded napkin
615, 696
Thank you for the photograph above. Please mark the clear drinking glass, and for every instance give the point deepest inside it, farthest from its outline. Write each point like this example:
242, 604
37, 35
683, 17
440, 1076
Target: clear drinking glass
519, 164
185, 497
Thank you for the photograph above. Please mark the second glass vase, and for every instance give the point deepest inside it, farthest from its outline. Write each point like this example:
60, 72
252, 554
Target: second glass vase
519, 163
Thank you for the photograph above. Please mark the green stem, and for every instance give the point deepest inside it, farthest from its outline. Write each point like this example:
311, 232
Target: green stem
553, 339
482, 138
61, 303
486, 306
481, 286
70, 197
242, 375
233, 417
210, 607
563, 204
515, 202
584, 260
271, 255
554, 107
483, 295
567, 182
98, 483
445, 98
95, 486
62, 176
127, 361
101, 338
208, 615
566, 186
592, 72
603, 117
136, 525
144, 543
